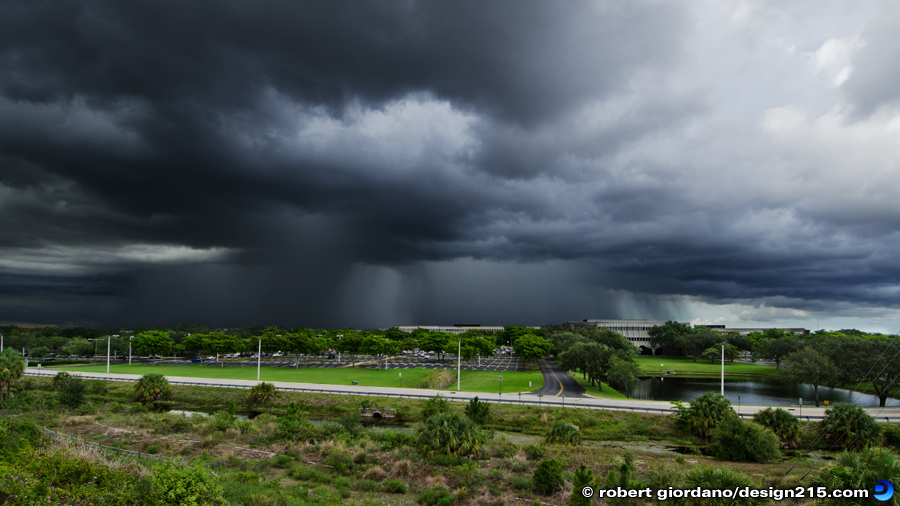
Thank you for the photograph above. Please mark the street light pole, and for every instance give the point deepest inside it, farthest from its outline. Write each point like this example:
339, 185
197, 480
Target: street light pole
108, 343
723, 369
258, 355
129, 350
458, 364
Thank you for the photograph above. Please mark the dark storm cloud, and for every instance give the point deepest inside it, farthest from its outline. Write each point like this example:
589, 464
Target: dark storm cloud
339, 163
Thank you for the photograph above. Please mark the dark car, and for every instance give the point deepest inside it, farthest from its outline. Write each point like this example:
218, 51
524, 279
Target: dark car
197, 360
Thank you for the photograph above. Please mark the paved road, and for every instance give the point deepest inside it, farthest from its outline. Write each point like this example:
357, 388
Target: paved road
891, 414
558, 382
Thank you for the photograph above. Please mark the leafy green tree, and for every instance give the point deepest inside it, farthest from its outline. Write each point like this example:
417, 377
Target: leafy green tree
859, 470
449, 434
669, 334
349, 341
784, 425
809, 366
532, 347
12, 368
740, 441
849, 427
548, 477
477, 411
154, 342
885, 372
582, 478
623, 370
704, 414
776, 349
437, 342
151, 388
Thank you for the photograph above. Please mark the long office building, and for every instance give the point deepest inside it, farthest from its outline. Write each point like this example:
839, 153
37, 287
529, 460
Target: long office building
451, 329
636, 331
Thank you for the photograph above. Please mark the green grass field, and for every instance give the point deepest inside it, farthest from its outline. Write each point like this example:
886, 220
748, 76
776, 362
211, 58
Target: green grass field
685, 365
607, 393
472, 381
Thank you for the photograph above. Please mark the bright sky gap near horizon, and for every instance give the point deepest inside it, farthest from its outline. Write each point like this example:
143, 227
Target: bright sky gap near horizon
370, 164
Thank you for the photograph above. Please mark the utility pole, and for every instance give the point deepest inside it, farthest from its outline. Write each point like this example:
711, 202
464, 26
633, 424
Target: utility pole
258, 356
108, 343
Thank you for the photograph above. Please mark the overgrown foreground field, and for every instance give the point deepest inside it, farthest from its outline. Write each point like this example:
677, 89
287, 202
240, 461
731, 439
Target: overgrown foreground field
311, 449
471, 381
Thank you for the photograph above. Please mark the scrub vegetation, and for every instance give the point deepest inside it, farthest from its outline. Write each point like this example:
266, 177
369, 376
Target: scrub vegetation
299, 448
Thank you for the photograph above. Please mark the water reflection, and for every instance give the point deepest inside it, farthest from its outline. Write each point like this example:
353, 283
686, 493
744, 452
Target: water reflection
752, 391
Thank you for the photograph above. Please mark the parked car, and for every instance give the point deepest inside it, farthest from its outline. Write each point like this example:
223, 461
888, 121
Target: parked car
197, 360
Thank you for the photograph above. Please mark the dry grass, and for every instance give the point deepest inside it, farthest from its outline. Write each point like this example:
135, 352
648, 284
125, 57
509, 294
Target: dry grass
403, 468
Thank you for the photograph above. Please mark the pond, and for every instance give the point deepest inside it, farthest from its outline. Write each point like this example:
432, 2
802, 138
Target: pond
752, 391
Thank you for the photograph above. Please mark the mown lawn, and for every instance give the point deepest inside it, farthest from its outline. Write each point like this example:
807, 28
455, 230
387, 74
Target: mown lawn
472, 381
654, 365
489, 382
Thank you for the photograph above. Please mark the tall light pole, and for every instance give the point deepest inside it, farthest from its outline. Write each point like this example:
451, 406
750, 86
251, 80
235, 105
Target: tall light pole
458, 365
129, 349
723, 369
258, 357
108, 343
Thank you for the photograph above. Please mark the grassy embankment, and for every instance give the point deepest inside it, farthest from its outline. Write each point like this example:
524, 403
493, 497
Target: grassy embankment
685, 366
471, 381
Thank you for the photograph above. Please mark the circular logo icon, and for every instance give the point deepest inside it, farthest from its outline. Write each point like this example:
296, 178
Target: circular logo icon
587, 492
884, 490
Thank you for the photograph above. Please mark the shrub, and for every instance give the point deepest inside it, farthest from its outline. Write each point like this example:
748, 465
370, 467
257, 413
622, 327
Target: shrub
18, 436
434, 406
704, 414
503, 450
351, 424
548, 477
849, 427
718, 478
69, 390
563, 433
437, 496
520, 483
262, 393
365, 485
477, 411
177, 485
151, 388
740, 441
281, 461
784, 425
394, 439
449, 434
393, 486
438, 380
534, 452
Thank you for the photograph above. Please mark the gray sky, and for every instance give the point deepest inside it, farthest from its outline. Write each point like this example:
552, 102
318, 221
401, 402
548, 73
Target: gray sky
378, 163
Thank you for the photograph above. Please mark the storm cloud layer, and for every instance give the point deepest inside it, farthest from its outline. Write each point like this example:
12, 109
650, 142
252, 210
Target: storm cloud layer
379, 163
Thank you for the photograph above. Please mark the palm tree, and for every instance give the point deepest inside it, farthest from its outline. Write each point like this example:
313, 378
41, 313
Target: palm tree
151, 388
12, 368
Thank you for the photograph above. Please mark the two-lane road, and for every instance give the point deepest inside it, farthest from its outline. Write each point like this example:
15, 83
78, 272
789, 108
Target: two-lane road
558, 382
